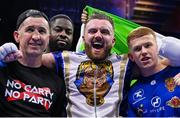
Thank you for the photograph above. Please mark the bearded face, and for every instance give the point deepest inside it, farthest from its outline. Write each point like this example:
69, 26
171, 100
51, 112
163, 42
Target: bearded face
97, 49
99, 39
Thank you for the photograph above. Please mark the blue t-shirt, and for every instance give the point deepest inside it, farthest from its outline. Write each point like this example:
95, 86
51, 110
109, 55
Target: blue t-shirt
156, 95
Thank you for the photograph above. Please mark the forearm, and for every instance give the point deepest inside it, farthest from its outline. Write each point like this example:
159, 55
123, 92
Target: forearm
48, 60
80, 43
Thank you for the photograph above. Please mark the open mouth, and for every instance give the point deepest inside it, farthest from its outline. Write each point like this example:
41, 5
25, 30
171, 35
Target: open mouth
97, 45
145, 58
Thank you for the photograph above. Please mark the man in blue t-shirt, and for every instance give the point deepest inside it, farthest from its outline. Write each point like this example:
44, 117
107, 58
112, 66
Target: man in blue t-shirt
155, 93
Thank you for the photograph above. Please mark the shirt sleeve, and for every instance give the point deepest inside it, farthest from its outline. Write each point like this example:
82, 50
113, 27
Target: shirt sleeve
58, 61
2, 64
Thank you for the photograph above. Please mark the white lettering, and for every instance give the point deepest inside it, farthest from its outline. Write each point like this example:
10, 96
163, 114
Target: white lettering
34, 90
40, 100
41, 91
9, 83
33, 100
8, 93
17, 85
47, 102
157, 110
11, 93
51, 95
27, 88
42, 96
26, 96
16, 94
46, 91
13, 84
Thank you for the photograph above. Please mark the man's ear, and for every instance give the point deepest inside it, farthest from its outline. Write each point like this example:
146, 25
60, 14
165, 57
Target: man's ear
16, 36
130, 57
113, 42
83, 38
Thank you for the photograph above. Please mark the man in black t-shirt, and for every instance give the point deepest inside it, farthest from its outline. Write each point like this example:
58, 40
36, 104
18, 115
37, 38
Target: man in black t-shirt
27, 87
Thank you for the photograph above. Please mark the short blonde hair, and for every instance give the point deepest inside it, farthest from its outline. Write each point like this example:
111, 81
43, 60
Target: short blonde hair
139, 32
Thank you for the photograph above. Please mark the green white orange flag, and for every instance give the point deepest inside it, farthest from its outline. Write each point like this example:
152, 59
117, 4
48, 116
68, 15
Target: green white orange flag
122, 28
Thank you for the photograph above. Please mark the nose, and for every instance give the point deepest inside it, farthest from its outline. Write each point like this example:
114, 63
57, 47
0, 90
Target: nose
63, 34
98, 34
36, 35
143, 51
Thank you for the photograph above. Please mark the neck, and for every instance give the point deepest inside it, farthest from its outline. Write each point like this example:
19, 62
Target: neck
31, 61
154, 69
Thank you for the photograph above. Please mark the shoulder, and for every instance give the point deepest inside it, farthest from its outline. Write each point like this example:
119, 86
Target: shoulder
116, 58
172, 68
2, 64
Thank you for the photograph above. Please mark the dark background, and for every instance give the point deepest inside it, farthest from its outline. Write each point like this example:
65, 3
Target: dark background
161, 15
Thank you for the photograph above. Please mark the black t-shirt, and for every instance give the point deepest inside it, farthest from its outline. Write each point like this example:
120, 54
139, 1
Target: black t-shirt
26, 91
